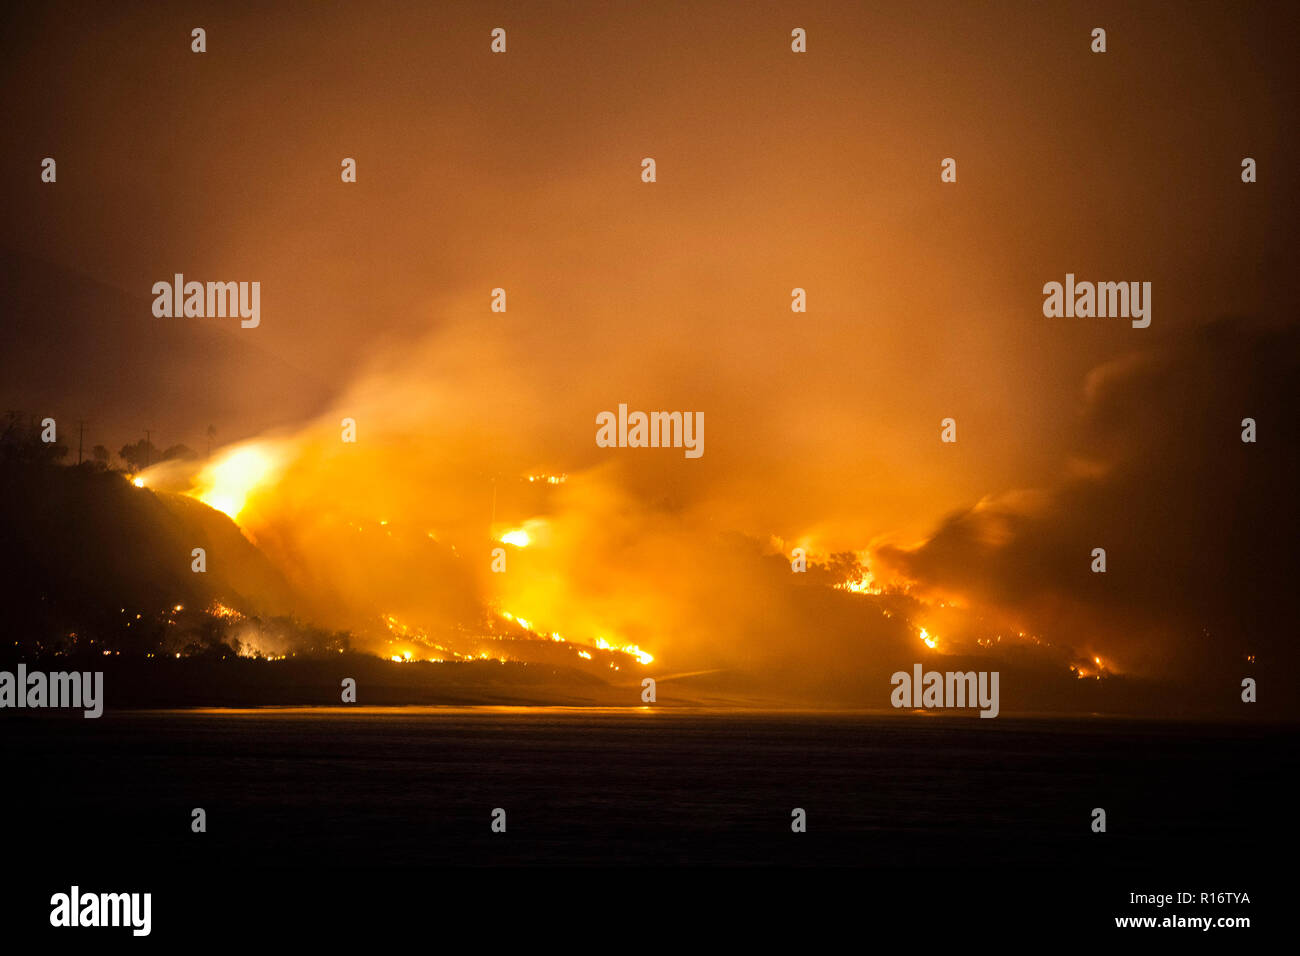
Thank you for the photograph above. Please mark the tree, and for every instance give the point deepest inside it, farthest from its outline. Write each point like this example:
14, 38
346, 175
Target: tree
177, 451
22, 444
101, 456
139, 455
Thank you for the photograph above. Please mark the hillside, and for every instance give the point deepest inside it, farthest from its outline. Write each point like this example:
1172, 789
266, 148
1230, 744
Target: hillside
85, 551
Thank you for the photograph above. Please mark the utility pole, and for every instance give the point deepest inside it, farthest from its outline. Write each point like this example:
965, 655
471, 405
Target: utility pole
81, 428
147, 446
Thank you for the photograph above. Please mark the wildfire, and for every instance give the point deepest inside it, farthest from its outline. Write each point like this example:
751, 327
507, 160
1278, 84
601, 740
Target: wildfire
217, 609
643, 656
227, 484
399, 629
1096, 670
519, 538
864, 585
927, 640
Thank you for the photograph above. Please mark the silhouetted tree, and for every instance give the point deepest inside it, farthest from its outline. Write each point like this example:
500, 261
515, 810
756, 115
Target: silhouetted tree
21, 443
177, 451
139, 455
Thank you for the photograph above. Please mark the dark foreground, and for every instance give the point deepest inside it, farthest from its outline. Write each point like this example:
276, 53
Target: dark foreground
918, 814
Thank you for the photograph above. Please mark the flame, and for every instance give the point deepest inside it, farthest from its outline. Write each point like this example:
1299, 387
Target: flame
226, 484
643, 656
138, 482
532, 532
217, 609
866, 584
399, 629
930, 642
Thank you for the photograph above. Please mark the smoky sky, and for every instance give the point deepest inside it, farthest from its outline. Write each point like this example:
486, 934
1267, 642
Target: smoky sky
775, 171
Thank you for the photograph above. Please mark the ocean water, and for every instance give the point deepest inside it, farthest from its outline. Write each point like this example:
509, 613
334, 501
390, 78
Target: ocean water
417, 786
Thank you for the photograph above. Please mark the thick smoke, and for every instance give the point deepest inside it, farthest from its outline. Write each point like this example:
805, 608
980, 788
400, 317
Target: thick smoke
686, 560
1197, 525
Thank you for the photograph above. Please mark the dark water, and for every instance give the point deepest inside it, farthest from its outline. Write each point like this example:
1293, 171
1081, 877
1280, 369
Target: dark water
416, 787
